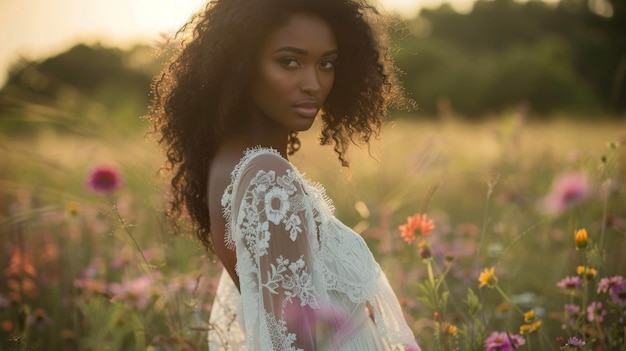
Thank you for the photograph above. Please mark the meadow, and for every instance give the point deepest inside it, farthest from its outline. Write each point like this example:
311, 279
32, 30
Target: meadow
525, 249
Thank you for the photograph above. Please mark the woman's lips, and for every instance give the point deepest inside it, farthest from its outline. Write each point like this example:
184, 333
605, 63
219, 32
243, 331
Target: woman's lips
306, 110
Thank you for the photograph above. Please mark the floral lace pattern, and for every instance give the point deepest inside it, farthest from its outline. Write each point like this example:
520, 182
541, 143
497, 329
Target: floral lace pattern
269, 199
280, 338
293, 255
295, 279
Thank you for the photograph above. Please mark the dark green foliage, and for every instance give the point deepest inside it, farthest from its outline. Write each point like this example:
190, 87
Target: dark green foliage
503, 53
79, 89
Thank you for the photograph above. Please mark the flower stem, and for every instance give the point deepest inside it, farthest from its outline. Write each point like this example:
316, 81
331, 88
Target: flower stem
583, 311
603, 223
434, 291
507, 299
600, 334
147, 268
483, 228
431, 275
530, 346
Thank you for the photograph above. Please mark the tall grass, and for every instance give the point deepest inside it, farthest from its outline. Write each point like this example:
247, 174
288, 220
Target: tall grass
86, 271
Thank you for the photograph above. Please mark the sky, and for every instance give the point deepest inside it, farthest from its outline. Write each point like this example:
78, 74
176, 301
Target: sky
35, 29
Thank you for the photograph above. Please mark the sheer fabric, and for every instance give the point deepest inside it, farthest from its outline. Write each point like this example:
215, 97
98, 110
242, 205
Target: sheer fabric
307, 281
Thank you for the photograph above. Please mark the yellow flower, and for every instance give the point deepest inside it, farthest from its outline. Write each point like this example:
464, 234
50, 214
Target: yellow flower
487, 278
449, 329
529, 316
581, 238
524, 329
535, 325
529, 328
587, 272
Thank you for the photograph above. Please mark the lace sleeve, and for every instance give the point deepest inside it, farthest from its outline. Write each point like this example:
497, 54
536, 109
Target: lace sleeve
274, 237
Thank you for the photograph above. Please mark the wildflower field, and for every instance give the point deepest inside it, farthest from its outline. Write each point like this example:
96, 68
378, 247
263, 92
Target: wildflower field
501, 235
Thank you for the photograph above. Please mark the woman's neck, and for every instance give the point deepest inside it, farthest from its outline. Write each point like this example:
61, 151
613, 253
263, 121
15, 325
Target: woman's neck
262, 131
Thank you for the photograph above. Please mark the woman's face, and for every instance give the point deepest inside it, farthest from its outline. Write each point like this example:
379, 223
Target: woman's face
295, 72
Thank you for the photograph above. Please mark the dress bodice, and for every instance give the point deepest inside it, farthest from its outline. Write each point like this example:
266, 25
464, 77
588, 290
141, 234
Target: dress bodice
306, 279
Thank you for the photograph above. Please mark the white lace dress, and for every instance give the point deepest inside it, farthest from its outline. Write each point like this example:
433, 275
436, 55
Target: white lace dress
306, 279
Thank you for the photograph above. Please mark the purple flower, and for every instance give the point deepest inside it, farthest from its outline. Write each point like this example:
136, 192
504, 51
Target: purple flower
595, 313
570, 283
573, 341
104, 180
572, 310
503, 342
567, 190
607, 284
618, 293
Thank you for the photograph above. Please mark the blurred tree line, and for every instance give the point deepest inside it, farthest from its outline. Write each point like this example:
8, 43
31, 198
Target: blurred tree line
568, 57
83, 89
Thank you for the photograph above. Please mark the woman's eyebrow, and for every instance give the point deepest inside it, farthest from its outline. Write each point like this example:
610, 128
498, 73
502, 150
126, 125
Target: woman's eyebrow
301, 51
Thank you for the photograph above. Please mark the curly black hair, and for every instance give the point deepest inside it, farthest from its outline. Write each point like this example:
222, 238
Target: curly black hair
201, 98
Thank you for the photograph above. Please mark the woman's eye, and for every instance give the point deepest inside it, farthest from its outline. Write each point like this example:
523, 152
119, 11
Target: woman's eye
327, 64
289, 62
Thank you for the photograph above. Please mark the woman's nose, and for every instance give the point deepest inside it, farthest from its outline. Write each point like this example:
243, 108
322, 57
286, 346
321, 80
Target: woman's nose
310, 82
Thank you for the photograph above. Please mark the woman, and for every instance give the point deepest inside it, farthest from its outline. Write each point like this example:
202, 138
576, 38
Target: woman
228, 109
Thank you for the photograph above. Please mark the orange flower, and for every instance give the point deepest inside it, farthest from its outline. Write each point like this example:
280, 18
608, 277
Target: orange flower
407, 231
413, 223
6, 326
426, 225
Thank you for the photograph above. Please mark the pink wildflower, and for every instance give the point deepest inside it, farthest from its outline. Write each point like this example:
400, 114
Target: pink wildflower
570, 283
104, 180
503, 342
92, 285
595, 313
607, 284
135, 293
567, 190
571, 313
4, 302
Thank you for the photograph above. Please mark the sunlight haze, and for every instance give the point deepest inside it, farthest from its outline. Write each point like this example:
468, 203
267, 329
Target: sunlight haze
35, 29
